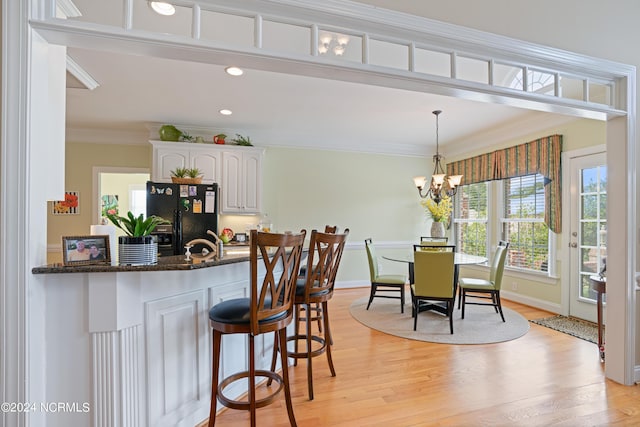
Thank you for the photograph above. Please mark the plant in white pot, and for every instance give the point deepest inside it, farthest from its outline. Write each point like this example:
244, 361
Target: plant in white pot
138, 247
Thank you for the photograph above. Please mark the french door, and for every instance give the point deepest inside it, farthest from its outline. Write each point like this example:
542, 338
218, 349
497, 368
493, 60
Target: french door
588, 240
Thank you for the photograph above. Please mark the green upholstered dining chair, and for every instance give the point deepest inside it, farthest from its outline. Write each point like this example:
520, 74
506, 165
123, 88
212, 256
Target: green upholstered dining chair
481, 289
384, 285
433, 279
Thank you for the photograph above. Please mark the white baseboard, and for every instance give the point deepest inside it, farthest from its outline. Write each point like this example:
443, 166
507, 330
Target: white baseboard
348, 284
532, 302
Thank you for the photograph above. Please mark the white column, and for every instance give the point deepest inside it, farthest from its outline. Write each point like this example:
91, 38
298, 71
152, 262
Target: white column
115, 325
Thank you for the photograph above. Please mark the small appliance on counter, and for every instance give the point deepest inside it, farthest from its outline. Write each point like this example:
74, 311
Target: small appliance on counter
191, 208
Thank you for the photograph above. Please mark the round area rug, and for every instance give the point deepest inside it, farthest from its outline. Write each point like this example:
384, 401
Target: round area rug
481, 325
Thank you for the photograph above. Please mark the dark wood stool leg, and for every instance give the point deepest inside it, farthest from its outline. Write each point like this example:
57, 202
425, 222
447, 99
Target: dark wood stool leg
327, 336
274, 355
252, 381
318, 318
309, 358
215, 370
285, 376
296, 321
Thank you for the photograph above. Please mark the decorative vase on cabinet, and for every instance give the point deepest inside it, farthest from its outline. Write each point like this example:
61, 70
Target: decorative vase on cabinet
437, 229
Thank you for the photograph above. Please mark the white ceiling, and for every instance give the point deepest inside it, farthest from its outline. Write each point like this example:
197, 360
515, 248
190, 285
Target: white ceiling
138, 93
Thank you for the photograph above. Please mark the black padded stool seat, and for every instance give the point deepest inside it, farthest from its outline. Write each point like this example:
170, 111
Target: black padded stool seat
269, 309
236, 311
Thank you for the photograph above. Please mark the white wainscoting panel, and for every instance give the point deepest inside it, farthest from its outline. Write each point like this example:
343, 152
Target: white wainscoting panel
177, 358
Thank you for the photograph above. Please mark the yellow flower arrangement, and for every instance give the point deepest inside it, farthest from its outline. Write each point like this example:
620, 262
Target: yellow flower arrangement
440, 212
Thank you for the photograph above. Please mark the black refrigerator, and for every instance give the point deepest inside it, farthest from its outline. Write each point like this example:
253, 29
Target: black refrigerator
191, 208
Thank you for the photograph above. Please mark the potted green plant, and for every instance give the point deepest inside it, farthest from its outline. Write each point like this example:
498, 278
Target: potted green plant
242, 140
186, 176
138, 247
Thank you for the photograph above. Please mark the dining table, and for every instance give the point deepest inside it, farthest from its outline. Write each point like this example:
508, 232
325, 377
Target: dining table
458, 260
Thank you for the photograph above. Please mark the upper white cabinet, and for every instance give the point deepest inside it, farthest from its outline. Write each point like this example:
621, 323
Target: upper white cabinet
242, 181
168, 156
236, 169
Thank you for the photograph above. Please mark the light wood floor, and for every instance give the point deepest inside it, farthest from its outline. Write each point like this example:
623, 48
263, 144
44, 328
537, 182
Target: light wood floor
541, 379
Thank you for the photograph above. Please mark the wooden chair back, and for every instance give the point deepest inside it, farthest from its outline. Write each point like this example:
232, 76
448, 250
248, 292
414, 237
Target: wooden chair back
272, 298
325, 253
333, 229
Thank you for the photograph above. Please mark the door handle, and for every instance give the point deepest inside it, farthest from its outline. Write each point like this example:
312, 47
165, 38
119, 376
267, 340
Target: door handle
573, 245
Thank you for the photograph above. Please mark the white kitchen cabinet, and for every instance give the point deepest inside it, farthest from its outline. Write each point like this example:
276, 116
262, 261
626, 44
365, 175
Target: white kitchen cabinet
168, 156
242, 181
236, 169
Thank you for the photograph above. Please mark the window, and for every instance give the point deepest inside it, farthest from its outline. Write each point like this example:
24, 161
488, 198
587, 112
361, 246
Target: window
517, 217
471, 218
523, 223
138, 199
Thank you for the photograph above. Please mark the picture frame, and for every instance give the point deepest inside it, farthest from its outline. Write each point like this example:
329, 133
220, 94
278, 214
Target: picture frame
69, 206
240, 237
86, 250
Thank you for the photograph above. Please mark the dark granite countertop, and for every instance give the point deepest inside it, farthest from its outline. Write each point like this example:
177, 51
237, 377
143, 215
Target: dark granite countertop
165, 263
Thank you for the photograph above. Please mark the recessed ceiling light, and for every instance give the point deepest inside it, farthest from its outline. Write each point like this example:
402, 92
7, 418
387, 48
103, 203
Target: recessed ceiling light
162, 7
234, 71
226, 112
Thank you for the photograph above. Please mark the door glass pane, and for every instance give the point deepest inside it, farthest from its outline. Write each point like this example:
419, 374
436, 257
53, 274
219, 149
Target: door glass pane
593, 227
590, 206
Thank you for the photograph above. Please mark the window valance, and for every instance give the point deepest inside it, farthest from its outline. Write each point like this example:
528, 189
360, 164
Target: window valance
540, 156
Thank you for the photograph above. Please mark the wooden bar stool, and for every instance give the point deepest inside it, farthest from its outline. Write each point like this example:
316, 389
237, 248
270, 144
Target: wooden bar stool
325, 252
312, 311
268, 309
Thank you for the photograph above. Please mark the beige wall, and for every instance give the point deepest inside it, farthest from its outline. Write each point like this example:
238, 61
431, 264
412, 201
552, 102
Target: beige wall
576, 134
80, 161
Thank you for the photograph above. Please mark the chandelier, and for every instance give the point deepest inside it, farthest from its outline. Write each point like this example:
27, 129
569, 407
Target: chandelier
336, 43
441, 184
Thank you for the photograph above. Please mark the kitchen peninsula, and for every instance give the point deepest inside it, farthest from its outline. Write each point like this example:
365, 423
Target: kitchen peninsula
134, 341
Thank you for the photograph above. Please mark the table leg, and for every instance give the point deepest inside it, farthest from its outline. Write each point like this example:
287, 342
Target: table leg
600, 338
